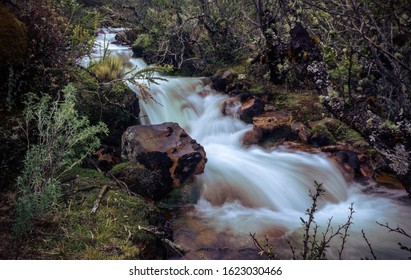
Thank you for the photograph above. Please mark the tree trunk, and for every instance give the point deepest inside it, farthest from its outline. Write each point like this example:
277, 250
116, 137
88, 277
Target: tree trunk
392, 141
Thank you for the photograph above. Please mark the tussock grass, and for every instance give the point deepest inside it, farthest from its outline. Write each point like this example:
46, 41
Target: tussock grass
109, 68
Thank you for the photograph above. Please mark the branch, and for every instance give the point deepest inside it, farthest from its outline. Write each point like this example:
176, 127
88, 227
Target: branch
161, 235
98, 200
369, 245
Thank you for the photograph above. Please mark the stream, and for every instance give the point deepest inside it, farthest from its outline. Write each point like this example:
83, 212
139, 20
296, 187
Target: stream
253, 190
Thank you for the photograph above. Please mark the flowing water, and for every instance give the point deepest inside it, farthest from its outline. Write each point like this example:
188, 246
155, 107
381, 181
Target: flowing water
250, 190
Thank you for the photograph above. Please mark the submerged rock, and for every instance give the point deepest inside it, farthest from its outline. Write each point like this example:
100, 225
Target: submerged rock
165, 149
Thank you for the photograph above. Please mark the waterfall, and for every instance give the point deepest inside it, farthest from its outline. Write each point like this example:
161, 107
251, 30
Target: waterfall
250, 190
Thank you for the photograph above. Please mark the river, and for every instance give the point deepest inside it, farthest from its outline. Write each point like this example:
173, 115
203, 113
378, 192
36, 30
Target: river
253, 190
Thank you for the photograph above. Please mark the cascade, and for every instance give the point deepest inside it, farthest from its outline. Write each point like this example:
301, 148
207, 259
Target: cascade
251, 190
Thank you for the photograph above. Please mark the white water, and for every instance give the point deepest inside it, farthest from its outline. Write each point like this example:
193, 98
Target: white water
247, 190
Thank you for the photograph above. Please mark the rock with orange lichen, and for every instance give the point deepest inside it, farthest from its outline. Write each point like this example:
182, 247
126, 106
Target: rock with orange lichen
165, 149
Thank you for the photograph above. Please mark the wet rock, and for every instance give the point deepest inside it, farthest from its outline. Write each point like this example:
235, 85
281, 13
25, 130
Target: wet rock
252, 137
388, 180
251, 109
231, 107
126, 37
274, 125
220, 82
352, 162
365, 170
300, 130
243, 106
164, 148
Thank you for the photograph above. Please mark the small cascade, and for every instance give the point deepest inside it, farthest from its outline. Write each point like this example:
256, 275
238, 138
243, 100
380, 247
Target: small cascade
251, 190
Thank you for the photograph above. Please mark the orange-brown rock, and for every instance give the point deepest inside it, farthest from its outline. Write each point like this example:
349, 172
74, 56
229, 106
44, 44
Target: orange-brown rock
388, 180
271, 121
165, 148
252, 137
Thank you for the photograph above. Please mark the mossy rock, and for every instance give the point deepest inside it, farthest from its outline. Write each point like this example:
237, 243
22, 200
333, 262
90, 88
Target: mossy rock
144, 182
14, 39
332, 131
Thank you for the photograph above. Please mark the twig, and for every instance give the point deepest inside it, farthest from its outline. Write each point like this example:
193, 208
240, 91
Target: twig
369, 245
292, 248
111, 176
98, 200
346, 234
161, 235
69, 179
397, 230
118, 182
265, 249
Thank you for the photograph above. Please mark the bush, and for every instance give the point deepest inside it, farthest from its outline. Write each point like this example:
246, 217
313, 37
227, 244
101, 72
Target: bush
62, 140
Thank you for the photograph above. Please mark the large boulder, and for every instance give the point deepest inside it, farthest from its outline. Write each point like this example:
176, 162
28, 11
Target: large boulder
166, 149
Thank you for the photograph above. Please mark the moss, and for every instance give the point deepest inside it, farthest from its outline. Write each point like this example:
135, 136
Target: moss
338, 131
83, 80
355, 138
89, 177
388, 124
121, 167
112, 233
305, 105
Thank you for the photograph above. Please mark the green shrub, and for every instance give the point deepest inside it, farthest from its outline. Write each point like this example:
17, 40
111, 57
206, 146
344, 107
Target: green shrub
145, 41
63, 139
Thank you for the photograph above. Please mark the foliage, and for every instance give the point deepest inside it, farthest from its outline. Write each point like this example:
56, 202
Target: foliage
366, 45
62, 140
191, 35
58, 33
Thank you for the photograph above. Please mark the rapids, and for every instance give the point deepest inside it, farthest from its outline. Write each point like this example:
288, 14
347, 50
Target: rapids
252, 190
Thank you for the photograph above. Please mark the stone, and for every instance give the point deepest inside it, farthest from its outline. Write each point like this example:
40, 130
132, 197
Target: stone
147, 183
274, 126
272, 122
126, 37
251, 109
252, 137
231, 107
220, 82
164, 148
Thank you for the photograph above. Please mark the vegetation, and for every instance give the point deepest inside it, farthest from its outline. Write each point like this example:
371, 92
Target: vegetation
347, 59
63, 140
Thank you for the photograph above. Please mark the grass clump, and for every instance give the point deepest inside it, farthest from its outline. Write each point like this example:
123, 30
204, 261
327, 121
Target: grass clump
108, 69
